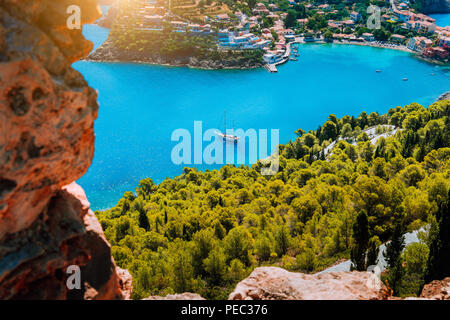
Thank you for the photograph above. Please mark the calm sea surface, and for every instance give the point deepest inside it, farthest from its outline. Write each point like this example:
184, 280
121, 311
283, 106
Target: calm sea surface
442, 19
141, 105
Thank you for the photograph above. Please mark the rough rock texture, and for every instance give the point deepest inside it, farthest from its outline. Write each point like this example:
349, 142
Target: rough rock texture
66, 233
272, 283
47, 112
437, 290
444, 96
178, 296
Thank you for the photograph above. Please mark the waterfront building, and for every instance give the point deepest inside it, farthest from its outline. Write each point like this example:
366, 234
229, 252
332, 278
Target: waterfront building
435, 52
444, 42
152, 20
368, 36
355, 16
223, 37
180, 25
223, 17
348, 23
325, 7
289, 37
419, 26
441, 52
285, 32
332, 25
302, 22
403, 15
398, 38
273, 7
423, 17
419, 43
240, 16
195, 28
411, 44
385, 17
260, 8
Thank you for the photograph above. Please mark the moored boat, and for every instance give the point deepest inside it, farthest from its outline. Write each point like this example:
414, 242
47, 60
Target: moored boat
227, 137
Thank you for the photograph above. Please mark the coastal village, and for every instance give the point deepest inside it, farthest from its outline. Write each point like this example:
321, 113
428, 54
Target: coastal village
273, 26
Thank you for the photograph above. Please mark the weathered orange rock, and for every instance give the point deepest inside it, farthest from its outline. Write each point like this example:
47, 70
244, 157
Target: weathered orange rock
47, 110
47, 113
272, 283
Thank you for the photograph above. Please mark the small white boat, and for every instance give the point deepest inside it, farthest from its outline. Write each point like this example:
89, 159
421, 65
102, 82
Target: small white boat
405, 79
227, 137
378, 71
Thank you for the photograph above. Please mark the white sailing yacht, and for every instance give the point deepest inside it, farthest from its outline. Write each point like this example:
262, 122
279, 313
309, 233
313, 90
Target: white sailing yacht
227, 137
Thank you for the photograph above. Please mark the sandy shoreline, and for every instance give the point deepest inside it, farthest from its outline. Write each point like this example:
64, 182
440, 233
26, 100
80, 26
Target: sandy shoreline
382, 46
374, 45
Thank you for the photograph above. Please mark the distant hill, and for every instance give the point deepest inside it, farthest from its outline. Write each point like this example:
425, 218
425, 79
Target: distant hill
432, 6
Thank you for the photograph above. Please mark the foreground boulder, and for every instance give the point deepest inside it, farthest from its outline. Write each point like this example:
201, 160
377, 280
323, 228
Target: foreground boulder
437, 290
67, 233
272, 283
47, 113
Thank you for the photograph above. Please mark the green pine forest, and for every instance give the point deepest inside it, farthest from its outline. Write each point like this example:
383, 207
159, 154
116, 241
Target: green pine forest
203, 232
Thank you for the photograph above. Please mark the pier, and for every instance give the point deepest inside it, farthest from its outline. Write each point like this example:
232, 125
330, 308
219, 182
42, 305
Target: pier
271, 67
285, 58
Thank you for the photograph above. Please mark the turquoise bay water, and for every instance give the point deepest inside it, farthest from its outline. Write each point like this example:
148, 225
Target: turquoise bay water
141, 105
442, 19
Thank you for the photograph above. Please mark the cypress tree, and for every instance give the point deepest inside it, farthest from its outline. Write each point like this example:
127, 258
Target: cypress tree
395, 276
395, 247
393, 257
438, 265
353, 123
143, 220
372, 253
139, 206
361, 238
219, 230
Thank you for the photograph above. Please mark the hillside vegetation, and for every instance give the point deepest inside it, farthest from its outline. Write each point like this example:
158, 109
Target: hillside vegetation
204, 231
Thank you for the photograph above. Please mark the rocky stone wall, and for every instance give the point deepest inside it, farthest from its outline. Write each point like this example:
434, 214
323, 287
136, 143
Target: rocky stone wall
47, 113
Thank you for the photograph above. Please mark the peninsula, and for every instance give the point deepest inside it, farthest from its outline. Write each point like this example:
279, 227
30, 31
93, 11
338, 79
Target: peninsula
225, 34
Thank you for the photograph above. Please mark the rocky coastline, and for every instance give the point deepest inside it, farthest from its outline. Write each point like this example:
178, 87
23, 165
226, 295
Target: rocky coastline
109, 53
444, 96
107, 20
